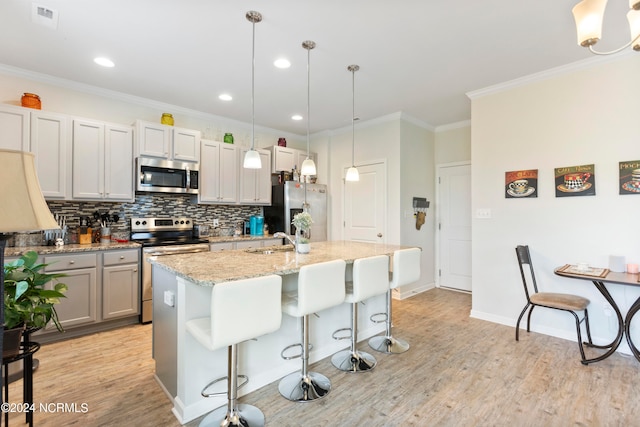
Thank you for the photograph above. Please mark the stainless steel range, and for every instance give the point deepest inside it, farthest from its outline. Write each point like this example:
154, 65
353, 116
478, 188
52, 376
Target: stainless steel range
159, 237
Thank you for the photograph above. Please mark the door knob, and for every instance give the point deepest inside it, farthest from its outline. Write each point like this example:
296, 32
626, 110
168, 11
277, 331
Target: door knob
379, 234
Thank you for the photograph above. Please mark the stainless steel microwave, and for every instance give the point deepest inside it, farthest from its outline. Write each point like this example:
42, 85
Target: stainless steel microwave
166, 176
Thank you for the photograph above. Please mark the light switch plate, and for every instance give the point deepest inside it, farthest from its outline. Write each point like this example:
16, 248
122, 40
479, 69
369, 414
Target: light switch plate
483, 213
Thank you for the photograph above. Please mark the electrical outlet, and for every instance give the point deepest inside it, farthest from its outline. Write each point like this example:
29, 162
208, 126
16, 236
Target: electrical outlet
169, 298
216, 222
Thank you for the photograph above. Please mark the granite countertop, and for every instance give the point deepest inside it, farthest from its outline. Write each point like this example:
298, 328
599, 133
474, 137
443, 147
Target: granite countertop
70, 248
209, 268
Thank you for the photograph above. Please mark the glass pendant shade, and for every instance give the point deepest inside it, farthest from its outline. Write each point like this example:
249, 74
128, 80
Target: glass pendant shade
588, 15
308, 167
352, 174
252, 160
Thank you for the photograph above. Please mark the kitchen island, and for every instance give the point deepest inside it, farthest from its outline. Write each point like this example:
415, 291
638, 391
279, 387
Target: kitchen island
182, 291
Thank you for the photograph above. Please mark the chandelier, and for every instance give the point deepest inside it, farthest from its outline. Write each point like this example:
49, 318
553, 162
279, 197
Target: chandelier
589, 14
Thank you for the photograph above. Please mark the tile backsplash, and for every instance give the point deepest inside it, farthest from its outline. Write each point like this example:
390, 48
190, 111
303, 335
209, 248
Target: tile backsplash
145, 205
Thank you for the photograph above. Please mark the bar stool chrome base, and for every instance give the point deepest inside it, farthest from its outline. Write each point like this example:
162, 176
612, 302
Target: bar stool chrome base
388, 345
349, 361
298, 388
244, 416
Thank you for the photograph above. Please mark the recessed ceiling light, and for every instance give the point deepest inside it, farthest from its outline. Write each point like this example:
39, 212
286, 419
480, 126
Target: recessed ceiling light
282, 63
105, 62
296, 117
225, 97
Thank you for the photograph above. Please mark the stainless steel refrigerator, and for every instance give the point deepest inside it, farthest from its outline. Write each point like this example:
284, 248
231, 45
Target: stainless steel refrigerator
289, 199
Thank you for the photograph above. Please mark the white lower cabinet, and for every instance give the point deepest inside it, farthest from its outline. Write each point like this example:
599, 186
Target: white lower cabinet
102, 286
120, 284
224, 246
80, 305
244, 244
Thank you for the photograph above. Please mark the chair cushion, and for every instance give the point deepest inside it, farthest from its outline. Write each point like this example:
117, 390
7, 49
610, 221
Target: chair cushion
561, 301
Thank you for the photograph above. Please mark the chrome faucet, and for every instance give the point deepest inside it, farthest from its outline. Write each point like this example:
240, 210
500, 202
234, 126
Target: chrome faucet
280, 234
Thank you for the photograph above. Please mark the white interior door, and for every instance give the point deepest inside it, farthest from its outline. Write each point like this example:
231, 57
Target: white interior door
454, 191
364, 205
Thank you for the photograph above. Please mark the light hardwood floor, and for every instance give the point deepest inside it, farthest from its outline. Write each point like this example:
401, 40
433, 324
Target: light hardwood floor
458, 372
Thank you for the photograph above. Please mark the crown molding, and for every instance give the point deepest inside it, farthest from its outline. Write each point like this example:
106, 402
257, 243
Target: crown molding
573, 67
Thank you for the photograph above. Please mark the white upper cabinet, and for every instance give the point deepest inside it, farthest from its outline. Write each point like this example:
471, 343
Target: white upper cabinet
167, 142
218, 173
50, 143
255, 184
14, 128
285, 158
102, 161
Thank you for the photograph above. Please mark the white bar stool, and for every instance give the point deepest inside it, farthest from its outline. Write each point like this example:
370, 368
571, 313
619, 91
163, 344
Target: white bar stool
406, 269
370, 278
320, 286
240, 310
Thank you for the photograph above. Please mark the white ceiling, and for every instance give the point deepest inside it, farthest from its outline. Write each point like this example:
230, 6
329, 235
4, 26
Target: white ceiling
418, 57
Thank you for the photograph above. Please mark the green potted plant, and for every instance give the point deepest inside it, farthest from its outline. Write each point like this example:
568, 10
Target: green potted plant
302, 221
28, 305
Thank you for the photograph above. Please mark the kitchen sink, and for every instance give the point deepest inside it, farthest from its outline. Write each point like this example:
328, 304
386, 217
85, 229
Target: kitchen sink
271, 249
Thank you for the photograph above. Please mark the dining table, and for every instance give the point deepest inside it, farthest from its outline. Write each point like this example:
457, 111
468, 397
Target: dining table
601, 277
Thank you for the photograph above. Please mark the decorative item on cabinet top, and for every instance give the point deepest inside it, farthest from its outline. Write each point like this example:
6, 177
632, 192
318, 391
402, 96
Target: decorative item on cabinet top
166, 119
31, 100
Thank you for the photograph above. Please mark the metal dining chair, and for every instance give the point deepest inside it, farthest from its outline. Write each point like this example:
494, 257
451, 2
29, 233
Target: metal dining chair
565, 302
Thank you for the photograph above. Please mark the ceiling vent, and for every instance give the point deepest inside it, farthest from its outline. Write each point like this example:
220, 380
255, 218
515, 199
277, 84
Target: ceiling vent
42, 15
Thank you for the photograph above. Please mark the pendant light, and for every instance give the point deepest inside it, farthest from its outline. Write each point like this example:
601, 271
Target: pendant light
252, 157
352, 172
308, 166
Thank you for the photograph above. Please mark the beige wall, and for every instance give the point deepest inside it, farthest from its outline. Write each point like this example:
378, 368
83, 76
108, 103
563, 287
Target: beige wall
88, 102
587, 115
453, 143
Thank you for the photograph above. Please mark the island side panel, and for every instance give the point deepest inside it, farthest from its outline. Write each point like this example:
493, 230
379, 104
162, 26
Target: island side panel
165, 333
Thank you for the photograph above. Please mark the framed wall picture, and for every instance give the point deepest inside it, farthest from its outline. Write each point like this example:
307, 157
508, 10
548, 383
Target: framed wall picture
575, 181
521, 184
630, 177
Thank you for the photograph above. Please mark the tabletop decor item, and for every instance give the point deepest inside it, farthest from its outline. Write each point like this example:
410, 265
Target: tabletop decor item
302, 222
282, 142
31, 100
27, 303
166, 119
228, 138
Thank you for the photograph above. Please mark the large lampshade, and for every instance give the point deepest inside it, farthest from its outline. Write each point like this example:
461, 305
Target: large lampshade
22, 207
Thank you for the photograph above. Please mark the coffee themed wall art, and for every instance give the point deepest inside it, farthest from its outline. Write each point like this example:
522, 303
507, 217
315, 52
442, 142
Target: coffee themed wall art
575, 181
521, 184
630, 177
